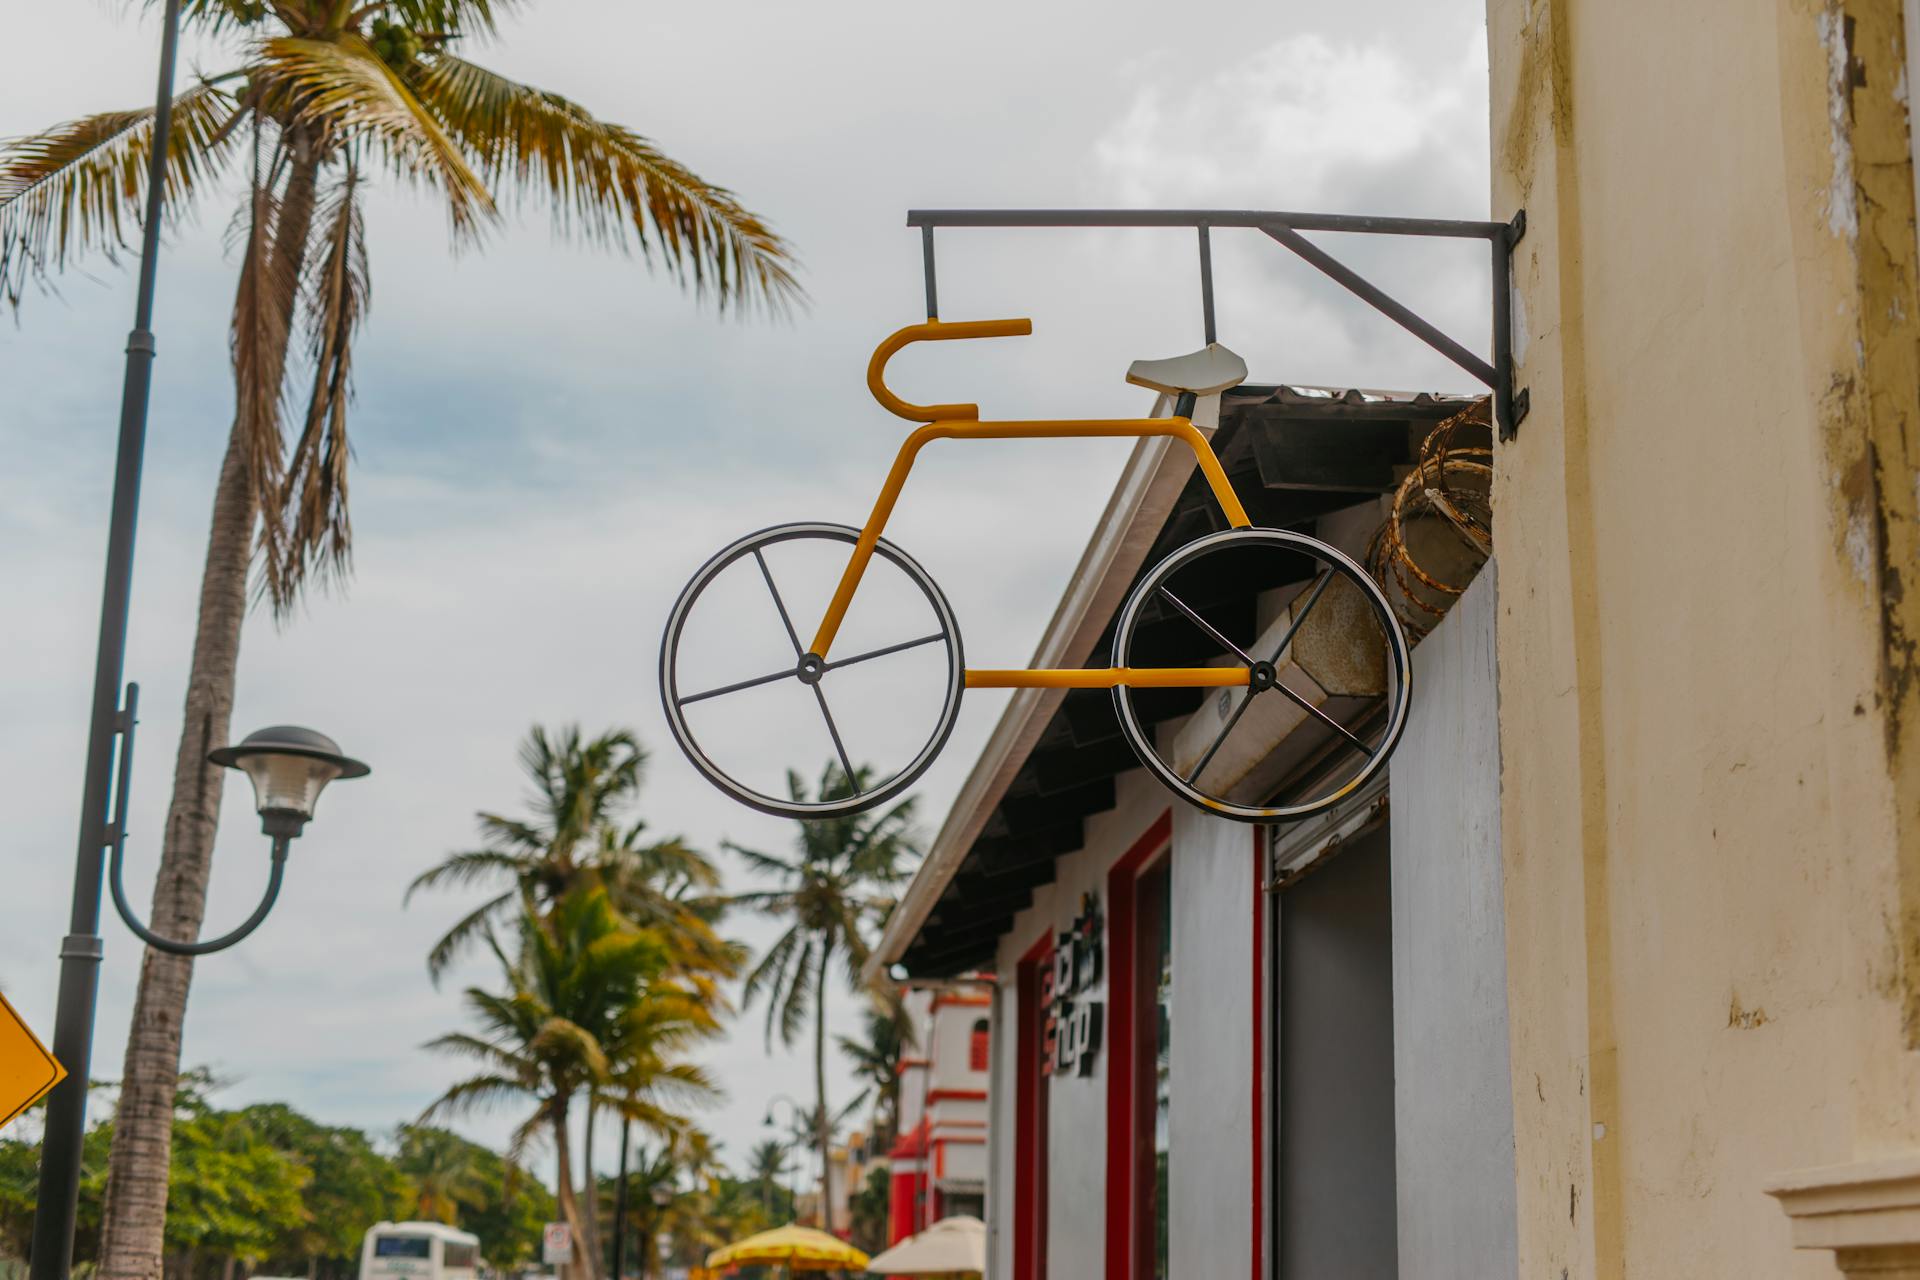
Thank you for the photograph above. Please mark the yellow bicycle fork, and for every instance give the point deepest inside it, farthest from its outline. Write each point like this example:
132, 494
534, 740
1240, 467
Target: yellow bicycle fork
961, 422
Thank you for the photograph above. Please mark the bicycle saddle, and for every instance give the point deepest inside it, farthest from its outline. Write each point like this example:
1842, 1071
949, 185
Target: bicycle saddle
1206, 372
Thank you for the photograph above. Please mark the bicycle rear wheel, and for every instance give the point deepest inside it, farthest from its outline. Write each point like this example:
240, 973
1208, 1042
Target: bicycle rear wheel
752, 709
1330, 674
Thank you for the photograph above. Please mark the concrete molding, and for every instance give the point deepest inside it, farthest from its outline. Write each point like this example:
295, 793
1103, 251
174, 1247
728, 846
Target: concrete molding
1868, 1212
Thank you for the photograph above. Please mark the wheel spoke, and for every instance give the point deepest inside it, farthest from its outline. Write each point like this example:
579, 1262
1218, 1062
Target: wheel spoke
881, 653
736, 687
1313, 598
839, 747
778, 603
1326, 719
1207, 627
1225, 729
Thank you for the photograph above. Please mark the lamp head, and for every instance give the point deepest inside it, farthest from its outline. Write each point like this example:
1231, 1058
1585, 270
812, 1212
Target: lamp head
289, 767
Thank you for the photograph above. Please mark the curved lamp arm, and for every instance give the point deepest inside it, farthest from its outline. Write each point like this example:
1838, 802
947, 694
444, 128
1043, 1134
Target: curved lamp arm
118, 842
220, 943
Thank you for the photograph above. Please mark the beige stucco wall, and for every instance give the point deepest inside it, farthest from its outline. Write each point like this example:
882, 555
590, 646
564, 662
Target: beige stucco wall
1711, 819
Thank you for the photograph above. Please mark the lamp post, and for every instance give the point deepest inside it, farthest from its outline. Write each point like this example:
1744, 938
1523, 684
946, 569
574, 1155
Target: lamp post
798, 1112
662, 1196
289, 767
59, 1193
620, 1203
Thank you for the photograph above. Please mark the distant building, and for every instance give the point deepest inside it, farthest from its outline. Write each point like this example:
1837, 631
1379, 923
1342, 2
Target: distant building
939, 1161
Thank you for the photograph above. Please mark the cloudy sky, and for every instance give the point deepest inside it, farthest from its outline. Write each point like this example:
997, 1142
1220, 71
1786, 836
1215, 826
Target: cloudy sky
549, 439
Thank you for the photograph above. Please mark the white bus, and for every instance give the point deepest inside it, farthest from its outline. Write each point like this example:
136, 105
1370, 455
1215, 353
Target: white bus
419, 1251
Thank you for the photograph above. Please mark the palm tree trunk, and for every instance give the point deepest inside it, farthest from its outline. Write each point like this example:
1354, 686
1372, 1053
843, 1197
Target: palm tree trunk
584, 1266
822, 1125
134, 1219
590, 1211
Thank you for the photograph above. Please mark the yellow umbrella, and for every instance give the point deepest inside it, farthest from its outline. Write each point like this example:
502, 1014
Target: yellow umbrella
794, 1247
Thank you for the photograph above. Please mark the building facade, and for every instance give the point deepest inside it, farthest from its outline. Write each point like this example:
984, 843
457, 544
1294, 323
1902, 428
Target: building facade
1198, 1033
1617, 973
1707, 628
939, 1162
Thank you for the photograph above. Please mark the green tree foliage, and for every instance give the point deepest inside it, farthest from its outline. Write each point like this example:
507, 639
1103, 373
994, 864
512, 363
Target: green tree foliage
20, 1185
276, 1191
512, 1212
231, 1192
444, 1170
871, 1205
351, 1187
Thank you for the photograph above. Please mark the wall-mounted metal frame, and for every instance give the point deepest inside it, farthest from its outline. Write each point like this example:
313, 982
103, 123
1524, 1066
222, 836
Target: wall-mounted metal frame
1509, 402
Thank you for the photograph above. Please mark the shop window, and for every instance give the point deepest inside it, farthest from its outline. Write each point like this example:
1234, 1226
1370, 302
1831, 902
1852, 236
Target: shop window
1152, 1077
1333, 1135
1033, 985
1140, 981
977, 1045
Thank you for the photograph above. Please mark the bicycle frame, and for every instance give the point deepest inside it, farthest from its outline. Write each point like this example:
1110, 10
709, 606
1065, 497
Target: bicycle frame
962, 422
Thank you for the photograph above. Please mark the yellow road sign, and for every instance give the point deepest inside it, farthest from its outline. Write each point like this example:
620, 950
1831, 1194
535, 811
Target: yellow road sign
27, 1070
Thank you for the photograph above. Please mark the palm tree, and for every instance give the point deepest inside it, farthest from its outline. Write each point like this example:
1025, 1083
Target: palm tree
831, 893
581, 995
669, 1194
876, 1058
444, 1172
764, 1169
575, 838
330, 96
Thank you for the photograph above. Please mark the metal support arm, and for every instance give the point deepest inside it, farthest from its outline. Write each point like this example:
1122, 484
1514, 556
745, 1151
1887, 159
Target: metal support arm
1510, 403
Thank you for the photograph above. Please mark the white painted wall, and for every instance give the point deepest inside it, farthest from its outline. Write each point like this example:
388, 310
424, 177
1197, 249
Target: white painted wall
1213, 901
1210, 1125
1453, 1110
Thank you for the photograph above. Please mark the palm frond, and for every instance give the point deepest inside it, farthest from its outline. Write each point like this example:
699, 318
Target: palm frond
464, 931
468, 867
262, 318
609, 185
342, 89
765, 863
81, 186
316, 537
477, 1094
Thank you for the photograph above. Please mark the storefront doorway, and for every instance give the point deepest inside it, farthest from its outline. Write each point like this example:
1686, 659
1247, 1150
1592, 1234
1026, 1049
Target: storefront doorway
1331, 1023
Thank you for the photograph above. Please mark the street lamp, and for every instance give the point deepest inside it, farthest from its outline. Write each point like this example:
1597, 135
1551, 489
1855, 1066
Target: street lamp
289, 767
799, 1113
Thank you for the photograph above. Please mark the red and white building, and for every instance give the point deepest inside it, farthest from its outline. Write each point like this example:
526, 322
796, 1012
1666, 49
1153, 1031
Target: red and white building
939, 1163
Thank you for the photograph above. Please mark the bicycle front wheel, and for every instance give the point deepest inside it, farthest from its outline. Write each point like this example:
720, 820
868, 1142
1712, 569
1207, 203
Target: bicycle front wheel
757, 713
1330, 674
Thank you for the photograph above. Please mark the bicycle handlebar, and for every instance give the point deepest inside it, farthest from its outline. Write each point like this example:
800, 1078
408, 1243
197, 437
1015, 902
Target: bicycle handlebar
934, 331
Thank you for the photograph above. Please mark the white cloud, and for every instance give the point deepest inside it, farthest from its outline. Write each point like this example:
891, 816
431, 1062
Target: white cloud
1314, 122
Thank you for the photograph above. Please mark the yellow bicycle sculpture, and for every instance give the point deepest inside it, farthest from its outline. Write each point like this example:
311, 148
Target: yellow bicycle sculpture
1309, 565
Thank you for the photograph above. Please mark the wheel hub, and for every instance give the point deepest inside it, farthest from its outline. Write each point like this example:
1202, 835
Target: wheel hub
1262, 676
811, 667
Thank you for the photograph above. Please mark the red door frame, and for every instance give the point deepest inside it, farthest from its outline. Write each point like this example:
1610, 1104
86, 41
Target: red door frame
1030, 1115
1122, 1102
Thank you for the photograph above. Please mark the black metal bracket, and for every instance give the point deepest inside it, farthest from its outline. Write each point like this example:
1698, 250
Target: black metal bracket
1509, 402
